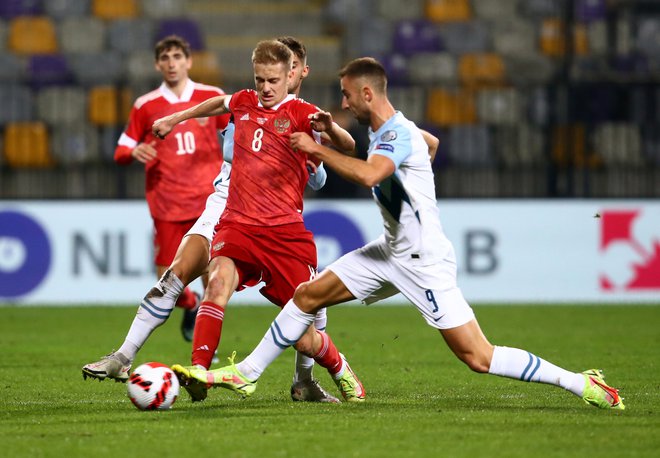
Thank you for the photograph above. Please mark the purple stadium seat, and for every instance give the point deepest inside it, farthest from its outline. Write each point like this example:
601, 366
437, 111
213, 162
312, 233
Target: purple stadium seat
185, 28
396, 68
631, 64
413, 36
48, 69
12, 8
590, 10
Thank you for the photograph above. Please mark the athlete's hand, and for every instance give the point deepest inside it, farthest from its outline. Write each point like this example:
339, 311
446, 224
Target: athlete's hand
303, 142
321, 121
163, 126
145, 152
311, 167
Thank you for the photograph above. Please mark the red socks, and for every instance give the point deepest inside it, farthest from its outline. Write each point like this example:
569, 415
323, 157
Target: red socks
208, 329
187, 299
328, 355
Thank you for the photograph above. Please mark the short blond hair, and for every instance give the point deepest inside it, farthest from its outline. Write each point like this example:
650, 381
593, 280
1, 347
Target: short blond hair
272, 52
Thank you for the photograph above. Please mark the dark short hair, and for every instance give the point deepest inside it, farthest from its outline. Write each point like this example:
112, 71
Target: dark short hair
296, 46
272, 52
172, 41
369, 68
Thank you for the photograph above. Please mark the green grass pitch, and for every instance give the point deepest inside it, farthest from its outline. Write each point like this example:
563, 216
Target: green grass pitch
421, 401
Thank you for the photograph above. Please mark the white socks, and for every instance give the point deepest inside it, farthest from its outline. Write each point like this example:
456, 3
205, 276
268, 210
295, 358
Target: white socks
289, 326
522, 365
305, 364
154, 310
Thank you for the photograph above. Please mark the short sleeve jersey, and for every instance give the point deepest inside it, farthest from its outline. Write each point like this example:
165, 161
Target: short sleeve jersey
268, 177
180, 179
407, 197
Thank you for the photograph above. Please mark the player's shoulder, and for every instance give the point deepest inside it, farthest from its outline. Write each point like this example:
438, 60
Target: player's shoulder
147, 98
207, 90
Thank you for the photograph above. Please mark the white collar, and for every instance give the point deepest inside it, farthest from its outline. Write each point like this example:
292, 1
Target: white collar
275, 107
171, 97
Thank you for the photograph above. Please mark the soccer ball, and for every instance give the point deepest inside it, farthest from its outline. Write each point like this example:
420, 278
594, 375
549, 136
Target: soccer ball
153, 386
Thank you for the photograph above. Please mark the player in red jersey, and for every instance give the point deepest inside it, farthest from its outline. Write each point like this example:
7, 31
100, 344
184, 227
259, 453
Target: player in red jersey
179, 174
261, 235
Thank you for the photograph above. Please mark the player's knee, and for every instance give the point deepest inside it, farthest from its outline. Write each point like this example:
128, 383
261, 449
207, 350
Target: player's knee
304, 298
215, 291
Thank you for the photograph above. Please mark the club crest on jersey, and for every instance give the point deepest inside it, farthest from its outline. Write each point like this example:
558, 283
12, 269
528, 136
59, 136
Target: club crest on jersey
388, 136
282, 125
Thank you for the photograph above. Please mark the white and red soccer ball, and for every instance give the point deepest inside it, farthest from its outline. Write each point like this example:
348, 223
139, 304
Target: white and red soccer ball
153, 386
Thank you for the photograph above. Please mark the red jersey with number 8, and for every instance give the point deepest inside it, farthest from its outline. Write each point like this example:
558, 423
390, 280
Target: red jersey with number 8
268, 177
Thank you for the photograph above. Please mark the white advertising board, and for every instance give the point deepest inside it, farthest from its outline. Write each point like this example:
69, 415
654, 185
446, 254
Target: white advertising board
514, 251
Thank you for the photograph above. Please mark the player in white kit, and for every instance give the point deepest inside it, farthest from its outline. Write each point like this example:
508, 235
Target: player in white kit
413, 256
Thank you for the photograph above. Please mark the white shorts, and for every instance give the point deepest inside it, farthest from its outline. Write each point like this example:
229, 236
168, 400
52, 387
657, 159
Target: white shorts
370, 273
205, 224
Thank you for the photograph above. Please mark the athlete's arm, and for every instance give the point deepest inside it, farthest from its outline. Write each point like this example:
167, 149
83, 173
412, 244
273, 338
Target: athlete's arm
366, 173
432, 142
321, 121
211, 107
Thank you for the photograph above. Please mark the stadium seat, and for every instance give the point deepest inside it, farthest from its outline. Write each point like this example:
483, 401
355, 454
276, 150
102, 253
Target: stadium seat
525, 69
126, 35
597, 38
376, 37
519, 146
580, 40
96, 69
396, 67
479, 70
447, 108
590, 10
114, 9
465, 37
618, 144
391, 10
433, 68
26, 145
61, 105
4, 31
16, 102
108, 142
140, 66
12, 68
538, 106
48, 70
569, 147
497, 11
32, 35
10, 9
647, 39
103, 105
82, 35
651, 144
160, 9
552, 37
205, 68
499, 106
413, 36
448, 10
126, 100
539, 9
186, 28
410, 100
514, 37
63, 9
470, 146
75, 144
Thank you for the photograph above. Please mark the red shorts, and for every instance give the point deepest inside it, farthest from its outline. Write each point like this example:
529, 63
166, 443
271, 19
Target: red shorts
280, 256
167, 237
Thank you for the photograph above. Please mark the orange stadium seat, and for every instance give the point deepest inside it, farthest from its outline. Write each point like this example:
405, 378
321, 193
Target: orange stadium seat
103, 105
126, 99
569, 147
26, 145
32, 35
580, 40
206, 68
481, 70
552, 41
446, 108
448, 10
115, 9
